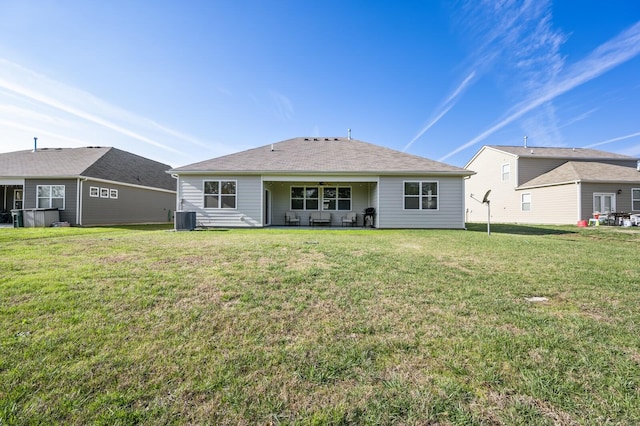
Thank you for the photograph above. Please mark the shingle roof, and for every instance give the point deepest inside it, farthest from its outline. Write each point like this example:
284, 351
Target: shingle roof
567, 153
585, 171
322, 155
93, 162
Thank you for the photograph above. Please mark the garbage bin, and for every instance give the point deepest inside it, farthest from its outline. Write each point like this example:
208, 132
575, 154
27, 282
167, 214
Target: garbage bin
16, 217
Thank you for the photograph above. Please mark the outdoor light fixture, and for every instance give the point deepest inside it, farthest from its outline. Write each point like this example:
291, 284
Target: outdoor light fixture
619, 191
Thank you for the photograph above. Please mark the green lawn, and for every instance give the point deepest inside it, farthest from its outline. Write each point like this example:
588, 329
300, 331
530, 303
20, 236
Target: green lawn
292, 326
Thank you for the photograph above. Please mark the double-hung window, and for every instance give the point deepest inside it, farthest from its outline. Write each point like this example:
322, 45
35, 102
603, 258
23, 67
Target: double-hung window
336, 198
220, 194
304, 198
526, 202
635, 199
421, 195
506, 172
50, 196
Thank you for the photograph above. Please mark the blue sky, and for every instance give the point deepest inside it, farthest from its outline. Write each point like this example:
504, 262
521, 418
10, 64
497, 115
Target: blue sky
185, 81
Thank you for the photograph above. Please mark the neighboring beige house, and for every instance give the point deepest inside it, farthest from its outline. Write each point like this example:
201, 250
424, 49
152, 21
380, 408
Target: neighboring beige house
550, 185
313, 175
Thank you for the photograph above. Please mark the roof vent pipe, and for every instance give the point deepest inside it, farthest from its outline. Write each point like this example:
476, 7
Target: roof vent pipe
525, 141
638, 166
35, 144
349, 134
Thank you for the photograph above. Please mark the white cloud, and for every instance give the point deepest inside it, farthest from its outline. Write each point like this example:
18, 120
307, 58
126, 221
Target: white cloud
444, 109
604, 58
62, 112
620, 138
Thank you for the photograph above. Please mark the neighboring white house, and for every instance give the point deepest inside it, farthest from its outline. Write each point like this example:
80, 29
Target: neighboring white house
550, 185
255, 188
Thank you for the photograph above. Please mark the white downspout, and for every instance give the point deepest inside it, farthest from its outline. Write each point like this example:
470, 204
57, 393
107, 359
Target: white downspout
79, 202
579, 186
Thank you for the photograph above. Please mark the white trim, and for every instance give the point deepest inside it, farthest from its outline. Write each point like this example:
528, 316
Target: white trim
12, 182
522, 202
337, 199
632, 199
304, 198
579, 195
64, 198
502, 173
15, 198
91, 188
220, 195
419, 196
321, 178
604, 194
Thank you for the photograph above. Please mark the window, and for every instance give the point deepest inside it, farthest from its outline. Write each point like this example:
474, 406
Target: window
604, 203
94, 191
336, 198
526, 202
304, 198
220, 194
421, 195
50, 196
17, 199
113, 193
104, 192
506, 172
635, 199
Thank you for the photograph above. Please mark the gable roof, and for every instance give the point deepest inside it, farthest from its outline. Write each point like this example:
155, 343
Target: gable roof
585, 171
323, 155
93, 162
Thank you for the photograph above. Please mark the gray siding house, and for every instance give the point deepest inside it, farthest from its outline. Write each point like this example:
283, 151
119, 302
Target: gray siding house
257, 187
88, 186
539, 185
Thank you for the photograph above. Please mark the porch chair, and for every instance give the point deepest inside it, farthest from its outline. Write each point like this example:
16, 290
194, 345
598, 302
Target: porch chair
350, 219
291, 218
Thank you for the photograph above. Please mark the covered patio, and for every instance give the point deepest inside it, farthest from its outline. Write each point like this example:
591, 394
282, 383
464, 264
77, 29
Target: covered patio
318, 203
11, 196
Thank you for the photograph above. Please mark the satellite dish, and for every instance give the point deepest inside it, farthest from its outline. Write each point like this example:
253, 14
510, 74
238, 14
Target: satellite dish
485, 199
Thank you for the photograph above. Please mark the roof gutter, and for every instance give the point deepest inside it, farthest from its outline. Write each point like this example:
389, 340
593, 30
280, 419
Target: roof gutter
462, 173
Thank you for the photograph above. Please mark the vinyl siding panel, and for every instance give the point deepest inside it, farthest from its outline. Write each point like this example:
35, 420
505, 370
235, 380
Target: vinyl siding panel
622, 201
488, 168
248, 211
133, 205
552, 205
70, 196
391, 212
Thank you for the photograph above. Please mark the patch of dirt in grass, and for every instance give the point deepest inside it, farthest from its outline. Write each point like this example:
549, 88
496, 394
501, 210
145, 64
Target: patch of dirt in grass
305, 260
203, 294
634, 356
116, 258
510, 328
496, 403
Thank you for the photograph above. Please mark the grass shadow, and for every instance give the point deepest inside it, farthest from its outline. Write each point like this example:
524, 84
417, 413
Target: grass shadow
514, 229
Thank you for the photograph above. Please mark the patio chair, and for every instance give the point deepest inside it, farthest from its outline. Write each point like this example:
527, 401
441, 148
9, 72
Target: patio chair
291, 218
350, 219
